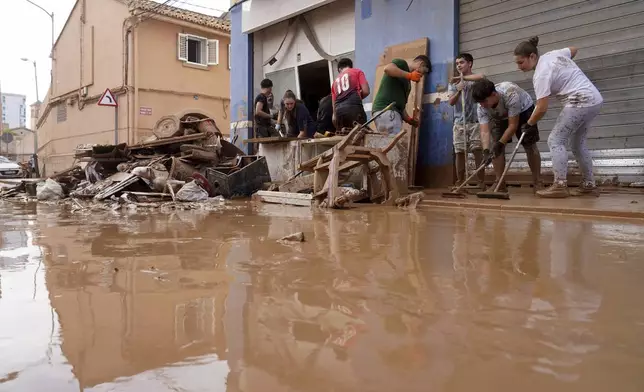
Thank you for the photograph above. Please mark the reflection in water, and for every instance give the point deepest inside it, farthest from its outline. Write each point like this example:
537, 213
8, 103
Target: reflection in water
374, 300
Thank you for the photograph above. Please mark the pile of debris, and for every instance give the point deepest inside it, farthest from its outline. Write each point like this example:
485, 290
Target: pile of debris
186, 160
324, 187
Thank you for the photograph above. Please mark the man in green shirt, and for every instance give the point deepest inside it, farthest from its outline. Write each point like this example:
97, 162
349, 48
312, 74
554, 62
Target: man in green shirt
395, 87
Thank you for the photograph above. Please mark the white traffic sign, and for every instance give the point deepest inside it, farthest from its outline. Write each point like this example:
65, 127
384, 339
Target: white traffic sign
107, 99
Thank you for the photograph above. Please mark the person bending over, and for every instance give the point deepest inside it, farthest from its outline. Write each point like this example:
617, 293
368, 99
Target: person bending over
504, 110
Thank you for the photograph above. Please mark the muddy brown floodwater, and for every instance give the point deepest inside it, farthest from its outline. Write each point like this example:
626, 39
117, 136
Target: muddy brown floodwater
374, 300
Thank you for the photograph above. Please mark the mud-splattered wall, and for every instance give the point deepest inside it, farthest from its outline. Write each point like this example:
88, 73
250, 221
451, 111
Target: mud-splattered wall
383, 23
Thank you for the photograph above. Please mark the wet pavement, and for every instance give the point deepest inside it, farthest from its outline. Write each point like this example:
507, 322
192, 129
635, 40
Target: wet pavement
611, 204
375, 299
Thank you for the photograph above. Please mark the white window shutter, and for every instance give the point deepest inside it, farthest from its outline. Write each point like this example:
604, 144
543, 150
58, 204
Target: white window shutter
213, 52
229, 60
203, 47
182, 47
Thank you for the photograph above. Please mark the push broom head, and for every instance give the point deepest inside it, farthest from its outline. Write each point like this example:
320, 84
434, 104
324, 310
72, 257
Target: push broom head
494, 195
454, 195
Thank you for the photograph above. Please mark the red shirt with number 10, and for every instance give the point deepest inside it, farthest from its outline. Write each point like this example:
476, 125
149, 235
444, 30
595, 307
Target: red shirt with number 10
348, 83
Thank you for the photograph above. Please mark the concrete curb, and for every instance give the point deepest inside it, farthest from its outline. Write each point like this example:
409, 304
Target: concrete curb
566, 211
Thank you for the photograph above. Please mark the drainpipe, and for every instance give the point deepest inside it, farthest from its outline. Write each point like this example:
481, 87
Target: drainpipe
135, 82
127, 35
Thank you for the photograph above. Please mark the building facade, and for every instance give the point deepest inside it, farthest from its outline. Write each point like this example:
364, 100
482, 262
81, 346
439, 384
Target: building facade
157, 60
14, 110
608, 34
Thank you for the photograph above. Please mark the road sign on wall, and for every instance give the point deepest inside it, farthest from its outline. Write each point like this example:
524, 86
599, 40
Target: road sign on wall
107, 99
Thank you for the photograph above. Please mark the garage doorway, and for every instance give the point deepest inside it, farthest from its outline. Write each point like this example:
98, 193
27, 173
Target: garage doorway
315, 84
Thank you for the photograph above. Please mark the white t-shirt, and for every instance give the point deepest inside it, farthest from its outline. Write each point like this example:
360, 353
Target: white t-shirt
513, 100
556, 74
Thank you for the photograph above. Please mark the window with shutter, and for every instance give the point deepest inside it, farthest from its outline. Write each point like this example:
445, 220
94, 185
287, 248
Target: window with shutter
198, 50
229, 67
213, 52
182, 47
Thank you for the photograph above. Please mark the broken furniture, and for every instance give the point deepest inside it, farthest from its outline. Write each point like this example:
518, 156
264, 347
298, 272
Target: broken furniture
242, 177
376, 168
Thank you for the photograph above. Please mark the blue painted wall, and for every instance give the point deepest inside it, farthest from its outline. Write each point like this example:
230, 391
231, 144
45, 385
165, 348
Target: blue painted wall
241, 80
381, 23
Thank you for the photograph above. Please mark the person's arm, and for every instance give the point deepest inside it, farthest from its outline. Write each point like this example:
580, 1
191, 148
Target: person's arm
484, 126
455, 94
411, 120
364, 86
485, 135
469, 78
280, 116
573, 52
542, 92
259, 110
474, 77
302, 119
513, 126
540, 110
394, 71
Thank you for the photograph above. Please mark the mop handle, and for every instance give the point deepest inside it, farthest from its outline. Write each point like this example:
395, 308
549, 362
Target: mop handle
507, 167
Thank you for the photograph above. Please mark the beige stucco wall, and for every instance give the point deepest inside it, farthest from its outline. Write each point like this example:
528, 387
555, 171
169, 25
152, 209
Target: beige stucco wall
91, 54
205, 88
24, 144
92, 125
87, 54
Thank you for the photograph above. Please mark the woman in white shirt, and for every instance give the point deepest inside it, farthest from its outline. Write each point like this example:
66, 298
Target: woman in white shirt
556, 74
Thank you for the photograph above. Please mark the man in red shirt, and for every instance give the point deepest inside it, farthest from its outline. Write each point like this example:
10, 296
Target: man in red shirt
347, 93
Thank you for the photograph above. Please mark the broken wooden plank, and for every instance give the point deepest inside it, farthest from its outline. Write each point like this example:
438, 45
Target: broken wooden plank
357, 158
298, 184
271, 139
288, 198
171, 140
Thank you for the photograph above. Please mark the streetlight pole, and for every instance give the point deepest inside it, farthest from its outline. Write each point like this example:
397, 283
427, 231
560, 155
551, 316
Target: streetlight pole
35, 154
35, 75
51, 15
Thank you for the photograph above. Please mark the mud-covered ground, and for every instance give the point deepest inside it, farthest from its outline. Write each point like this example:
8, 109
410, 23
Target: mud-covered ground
374, 299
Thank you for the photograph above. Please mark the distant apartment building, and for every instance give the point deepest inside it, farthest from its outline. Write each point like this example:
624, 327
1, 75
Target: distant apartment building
14, 110
156, 59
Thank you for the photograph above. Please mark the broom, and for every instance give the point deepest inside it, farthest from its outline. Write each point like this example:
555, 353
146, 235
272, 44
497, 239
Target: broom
455, 194
467, 150
495, 194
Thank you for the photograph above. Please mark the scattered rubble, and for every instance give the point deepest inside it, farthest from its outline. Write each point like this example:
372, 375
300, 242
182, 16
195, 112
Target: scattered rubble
410, 201
295, 237
185, 161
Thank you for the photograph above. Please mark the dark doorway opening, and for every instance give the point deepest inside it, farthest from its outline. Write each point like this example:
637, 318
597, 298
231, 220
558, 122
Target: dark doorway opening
314, 84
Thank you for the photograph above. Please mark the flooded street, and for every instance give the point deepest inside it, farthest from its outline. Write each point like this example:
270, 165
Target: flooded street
374, 300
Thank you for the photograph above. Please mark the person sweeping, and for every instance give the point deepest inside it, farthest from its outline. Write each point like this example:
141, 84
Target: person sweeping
555, 73
503, 112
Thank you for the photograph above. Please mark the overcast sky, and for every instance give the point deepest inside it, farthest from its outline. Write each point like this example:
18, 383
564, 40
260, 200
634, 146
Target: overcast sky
25, 31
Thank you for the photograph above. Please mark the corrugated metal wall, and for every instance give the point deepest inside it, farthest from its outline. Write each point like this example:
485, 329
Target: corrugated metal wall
610, 38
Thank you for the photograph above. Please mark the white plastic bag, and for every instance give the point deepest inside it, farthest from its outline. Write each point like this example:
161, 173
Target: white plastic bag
192, 192
49, 190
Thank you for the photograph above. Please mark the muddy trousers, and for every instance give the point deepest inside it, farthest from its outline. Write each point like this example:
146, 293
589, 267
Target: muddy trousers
571, 129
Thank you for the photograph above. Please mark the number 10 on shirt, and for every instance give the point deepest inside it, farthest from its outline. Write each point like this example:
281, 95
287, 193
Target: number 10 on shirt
342, 84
